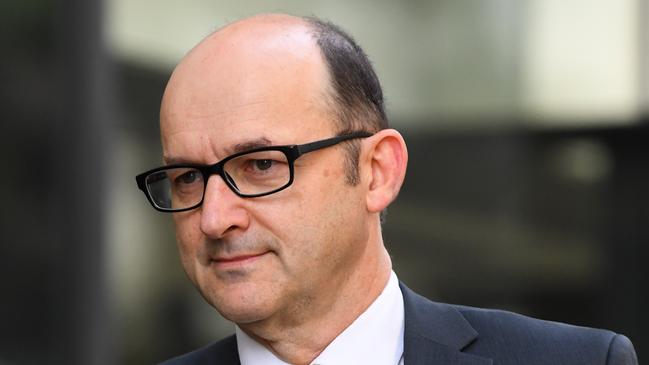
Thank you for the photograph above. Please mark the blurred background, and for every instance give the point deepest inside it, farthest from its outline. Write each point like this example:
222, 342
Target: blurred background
528, 185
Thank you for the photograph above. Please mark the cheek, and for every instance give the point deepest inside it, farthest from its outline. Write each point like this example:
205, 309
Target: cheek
320, 224
281, 214
188, 237
291, 217
187, 225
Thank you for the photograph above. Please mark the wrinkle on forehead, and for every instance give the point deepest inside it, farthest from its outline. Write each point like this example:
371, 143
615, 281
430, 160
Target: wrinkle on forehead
206, 111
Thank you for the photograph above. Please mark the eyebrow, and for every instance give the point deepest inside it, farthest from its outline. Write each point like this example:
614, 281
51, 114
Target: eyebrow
172, 160
249, 145
239, 147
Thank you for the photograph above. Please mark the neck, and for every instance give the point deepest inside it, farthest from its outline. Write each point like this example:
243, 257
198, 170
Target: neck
300, 336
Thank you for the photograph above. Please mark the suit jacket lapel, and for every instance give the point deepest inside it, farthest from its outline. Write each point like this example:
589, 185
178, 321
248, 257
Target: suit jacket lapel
224, 352
436, 333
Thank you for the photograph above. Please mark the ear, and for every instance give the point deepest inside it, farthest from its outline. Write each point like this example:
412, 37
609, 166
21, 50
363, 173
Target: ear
386, 159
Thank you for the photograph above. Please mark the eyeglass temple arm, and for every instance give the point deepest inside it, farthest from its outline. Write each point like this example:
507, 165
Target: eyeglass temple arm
308, 147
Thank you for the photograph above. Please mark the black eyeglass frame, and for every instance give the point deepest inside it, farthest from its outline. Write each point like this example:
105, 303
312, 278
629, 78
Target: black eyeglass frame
292, 152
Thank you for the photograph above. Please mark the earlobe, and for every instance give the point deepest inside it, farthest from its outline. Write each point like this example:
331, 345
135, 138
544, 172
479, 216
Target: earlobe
387, 160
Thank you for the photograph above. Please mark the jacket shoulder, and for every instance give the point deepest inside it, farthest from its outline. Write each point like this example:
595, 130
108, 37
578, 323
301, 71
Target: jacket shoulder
536, 341
223, 352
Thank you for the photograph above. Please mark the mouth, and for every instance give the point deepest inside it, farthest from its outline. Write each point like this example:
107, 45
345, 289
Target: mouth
236, 261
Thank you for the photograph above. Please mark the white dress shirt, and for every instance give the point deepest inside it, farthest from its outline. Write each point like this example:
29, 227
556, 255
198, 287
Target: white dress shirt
375, 337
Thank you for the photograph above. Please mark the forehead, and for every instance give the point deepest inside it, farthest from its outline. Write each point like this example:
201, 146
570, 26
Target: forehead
269, 82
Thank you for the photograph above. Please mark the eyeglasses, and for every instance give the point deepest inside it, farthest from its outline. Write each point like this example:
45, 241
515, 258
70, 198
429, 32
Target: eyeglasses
249, 174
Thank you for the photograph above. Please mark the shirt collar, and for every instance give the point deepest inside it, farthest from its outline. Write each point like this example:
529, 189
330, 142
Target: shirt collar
375, 337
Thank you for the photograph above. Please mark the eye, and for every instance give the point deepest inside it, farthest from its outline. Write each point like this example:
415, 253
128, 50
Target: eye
263, 164
188, 177
256, 166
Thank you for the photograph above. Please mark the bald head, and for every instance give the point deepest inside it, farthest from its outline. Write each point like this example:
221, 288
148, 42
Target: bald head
268, 56
263, 42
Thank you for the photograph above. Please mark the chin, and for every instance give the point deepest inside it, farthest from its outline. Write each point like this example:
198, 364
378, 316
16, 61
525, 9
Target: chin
241, 303
239, 313
242, 316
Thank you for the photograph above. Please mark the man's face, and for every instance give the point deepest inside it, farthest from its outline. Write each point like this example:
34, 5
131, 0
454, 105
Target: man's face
272, 256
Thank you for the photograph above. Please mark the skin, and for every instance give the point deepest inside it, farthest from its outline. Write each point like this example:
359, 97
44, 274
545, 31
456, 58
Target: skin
295, 268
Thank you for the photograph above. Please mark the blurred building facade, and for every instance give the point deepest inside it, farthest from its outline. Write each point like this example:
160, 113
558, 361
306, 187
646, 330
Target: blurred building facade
528, 185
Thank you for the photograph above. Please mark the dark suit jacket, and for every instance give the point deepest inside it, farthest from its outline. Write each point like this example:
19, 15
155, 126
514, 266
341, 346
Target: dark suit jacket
447, 334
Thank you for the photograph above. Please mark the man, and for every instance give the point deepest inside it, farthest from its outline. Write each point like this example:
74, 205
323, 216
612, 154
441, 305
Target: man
278, 164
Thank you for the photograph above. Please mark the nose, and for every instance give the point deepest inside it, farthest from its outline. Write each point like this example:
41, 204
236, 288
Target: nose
222, 211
